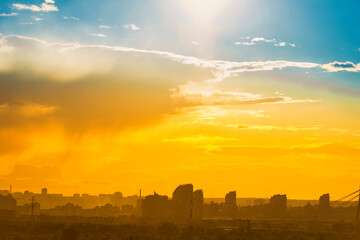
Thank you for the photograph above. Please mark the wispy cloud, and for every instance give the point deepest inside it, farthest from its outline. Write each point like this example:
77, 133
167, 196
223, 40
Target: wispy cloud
8, 14
334, 149
244, 43
71, 17
46, 6
34, 109
261, 39
4, 107
104, 27
98, 35
131, 26
269, 128
200, 138
345, 131
284, 44
341, 66
201, 97
37, 19
253, 41
28, 109
221, 69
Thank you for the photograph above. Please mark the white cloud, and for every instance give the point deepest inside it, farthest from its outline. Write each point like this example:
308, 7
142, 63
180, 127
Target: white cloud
131, 27
341, 66
284, 44
73, 18
244, 43
221, 69
26, 23
195, 43
261, 39
37, 19
8, 14
280, 44
98, 35
255, 40
104, 27
44, 7
49, 1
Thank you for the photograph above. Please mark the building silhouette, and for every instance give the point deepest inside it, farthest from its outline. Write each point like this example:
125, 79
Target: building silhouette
324, 206
184, 206
156, 207
7, 207
324, 202
182, 202
29, 210
198, 205
230, 208
278, 205
212, 210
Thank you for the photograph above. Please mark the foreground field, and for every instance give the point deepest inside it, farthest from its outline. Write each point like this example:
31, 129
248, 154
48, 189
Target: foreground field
207, 230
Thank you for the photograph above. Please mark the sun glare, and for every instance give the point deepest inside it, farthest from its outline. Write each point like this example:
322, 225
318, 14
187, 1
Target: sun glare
203, 11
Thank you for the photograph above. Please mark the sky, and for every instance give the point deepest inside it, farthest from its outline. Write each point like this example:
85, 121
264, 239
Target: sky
261, 97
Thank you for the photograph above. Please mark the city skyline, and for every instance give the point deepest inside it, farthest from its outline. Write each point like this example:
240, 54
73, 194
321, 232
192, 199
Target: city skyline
139, 194
249, 96
186, 204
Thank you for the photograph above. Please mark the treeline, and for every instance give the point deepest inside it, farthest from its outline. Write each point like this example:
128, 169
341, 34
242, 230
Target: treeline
266, 230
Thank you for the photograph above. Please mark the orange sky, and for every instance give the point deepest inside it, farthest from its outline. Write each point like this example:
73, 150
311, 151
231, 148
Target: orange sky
96, 119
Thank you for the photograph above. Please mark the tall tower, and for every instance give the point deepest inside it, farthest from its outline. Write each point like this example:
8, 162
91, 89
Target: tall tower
198, 205
182, 202
230, 208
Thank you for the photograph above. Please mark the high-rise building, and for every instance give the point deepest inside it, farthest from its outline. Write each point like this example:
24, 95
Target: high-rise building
44, 191
230, 198
324, 201
230, 208
156, 207
182, 202
198, 205
278, 205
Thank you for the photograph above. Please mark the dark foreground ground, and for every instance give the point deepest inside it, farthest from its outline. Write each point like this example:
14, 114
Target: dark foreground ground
206, 230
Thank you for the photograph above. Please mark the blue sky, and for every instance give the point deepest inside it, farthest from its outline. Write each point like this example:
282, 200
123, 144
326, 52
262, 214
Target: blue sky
323, 31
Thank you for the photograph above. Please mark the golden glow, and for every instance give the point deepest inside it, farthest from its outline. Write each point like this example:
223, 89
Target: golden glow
152, 122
